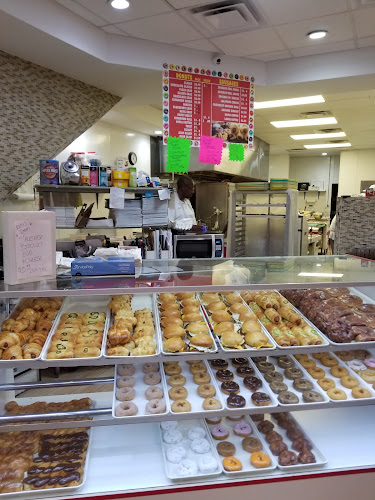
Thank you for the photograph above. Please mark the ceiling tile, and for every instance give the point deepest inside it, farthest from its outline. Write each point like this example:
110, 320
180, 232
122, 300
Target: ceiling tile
166, 28
289, 11
200, 45
366, 42
137, 9
111, 28
82, 12
249, 42
364, 21
339, 28
323, 49
272, 56
185, 4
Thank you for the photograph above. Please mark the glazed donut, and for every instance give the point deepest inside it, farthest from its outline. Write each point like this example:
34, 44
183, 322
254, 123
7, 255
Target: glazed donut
232, 464
302, 356
316, 373
125, 382
288, 398
278, 387
368, 376
349, 382
301, 443
326, 383
360, 392
265, 426
356, 365
172, 370
251, 444
197, 368
312, 397
306, 457
125, 394
181, 406
301, 384
150, 367
226, 449
260, 399
260, 460
177, 392
154, 392
285, 362
273, 436
277, 447
308, 363
206, 391
211, 404
176, 380
287, 458
345, 355
201, 378
152, 378
273, 377
155, 406
126, 409
319, 355
336, 394
329, 361
293, 432
126, 370
338, 371
293, 373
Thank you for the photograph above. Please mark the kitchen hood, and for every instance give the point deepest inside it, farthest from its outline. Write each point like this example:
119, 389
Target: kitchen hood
254, 167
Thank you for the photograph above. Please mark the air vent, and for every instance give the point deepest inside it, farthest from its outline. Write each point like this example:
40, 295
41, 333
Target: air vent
328, 130
316, 114
220, 18
296, 149
338, 141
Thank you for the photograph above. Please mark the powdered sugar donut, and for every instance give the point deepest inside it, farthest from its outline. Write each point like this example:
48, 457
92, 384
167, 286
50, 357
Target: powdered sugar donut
207, 464
196, 433
200, 445
187, 468
169, 425
175, 454
172, 437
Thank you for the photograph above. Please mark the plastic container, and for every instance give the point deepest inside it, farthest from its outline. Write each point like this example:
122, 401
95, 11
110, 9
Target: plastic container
93, 159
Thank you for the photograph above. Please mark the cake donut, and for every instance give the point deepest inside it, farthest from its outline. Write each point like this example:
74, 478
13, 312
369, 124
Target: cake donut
206, 391
155, 407
181, 406
126, 409
126, 370
150, 367
125, 381
152, 378
177, 392
356, 365
210, 404
125, 394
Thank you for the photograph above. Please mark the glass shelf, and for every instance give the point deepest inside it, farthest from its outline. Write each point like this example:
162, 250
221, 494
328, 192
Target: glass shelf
202, 275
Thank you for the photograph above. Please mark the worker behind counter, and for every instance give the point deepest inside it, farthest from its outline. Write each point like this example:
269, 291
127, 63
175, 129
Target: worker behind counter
180, 212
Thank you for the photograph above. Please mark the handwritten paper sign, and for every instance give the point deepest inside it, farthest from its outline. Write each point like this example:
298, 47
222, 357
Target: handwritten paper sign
236, 152
116, 197
178, 155
210, 150
29, 246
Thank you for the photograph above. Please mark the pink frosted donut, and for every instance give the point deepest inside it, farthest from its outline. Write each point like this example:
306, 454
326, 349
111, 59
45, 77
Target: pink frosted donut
370, 363
242, 429
220, 432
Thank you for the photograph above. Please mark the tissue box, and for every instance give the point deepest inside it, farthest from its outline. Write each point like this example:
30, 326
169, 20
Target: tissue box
97, 266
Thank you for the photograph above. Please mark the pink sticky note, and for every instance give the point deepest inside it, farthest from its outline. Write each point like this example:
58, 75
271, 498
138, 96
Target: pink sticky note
211, 149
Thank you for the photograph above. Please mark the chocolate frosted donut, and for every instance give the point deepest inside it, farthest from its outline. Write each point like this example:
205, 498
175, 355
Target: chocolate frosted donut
301, 384
259, 359
244, 371
273, 436
301, 443
277, 447
230, 387
293, 373
237, 362
306, 457
265, 426
265, 366
226, 449
251, 444
219, 364
252, 383
288, 398
312, 397
278, 387
236, 401
257, 418
288, 458
273, 377
260, 399
285, 362
224, 375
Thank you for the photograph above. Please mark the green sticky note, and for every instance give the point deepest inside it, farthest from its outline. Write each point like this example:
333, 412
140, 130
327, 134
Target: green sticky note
178, 155
236, 152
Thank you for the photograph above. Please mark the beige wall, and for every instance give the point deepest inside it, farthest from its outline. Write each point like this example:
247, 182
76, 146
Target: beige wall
355, 166
279, 167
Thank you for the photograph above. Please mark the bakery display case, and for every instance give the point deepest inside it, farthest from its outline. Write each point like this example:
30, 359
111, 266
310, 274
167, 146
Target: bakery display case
219, 374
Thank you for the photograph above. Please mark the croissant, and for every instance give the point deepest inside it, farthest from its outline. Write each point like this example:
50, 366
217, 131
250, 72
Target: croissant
118, 351
118, 336
31, 351
123, 324
9, 339
39, 337
49, 314
7, 325
42, 304
20, 325
44, 324
14, 352
143, 332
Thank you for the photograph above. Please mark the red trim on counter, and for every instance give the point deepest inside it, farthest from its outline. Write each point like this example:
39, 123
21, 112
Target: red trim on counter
114, 496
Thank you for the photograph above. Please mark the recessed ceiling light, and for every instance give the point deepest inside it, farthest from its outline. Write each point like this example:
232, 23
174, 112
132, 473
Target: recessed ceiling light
329, 145
317, 34
130, 135
329, 135
304, 123
158, 132
295, 101
324, 154
119, 4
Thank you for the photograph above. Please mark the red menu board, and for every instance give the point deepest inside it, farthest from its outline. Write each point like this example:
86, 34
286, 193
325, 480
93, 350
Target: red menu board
200, 102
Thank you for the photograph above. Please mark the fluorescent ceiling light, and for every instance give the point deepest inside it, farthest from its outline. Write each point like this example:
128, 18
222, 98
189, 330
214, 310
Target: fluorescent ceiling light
324, 154
130, 135
119, 4
317, 34
329, 145
321, 275
309, 122
158, 132
329, 135
296, 101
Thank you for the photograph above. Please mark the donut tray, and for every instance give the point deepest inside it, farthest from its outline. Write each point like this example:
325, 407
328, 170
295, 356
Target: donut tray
140, 388
246, 393
140, 302
321, 460
370, 385
237, 327
193, 397
289, 384
21, 304
171, 469
80, 305
339, 385
190, 350
240, 453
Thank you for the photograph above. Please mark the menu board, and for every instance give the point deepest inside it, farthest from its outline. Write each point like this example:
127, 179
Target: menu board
200, 102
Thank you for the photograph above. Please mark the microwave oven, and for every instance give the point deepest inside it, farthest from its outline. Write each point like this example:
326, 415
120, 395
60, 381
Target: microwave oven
198, 246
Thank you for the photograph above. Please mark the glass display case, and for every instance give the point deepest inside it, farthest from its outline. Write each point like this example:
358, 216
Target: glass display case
275, 359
